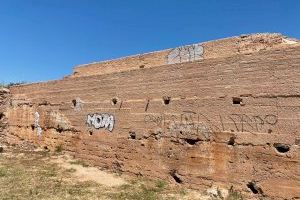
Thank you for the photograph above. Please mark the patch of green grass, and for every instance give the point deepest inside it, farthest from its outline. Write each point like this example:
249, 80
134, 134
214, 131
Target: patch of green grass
160, 185
141, 190
142, 194
3, 172
182, 192
49, 171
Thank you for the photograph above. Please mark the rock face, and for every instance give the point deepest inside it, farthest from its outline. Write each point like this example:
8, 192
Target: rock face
222, 113
4, 103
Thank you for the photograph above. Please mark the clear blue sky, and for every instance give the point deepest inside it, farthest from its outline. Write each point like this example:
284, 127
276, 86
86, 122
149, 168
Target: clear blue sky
43, 39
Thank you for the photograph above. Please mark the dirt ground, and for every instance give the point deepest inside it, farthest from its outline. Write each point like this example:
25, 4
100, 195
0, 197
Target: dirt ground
56, 176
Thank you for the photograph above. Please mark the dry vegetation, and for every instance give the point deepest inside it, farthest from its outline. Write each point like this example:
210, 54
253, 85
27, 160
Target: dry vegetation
43, 175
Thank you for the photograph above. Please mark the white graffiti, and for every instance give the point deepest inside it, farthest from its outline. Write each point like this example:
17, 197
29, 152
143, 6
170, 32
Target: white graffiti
36, 123
102, 120
186, 54
77, 104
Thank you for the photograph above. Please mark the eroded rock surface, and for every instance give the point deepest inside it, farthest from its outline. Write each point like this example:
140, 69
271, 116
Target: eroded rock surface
4, 103
230, 117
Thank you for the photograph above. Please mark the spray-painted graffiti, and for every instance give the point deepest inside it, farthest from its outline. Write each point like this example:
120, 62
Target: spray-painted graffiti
249, 123
102, 120
77, 104
187, 122
192, 122
36, 123
185, 54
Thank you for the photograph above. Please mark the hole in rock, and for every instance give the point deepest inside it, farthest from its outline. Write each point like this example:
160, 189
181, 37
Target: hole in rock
281, 148
142, 66
132, 135
231, 141
167, 100
270, 131
32, 127
114, 101
59, 129
175, 176
254, 188
91, 132
74, 102
45, 147
237, 100
192, 141
44, 103
1, 115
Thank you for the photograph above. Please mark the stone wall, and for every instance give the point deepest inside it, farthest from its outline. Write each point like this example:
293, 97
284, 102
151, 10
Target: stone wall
4, 103
207, 50
226, 121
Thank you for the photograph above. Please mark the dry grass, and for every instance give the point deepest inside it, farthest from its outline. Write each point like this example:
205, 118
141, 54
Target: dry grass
55, 176
32, 175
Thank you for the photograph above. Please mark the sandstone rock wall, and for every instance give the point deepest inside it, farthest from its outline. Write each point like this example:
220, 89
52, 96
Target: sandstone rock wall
4, 103
213, 49
223, 121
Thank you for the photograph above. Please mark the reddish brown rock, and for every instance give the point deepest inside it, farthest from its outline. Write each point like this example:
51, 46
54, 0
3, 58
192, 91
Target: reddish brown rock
225, 115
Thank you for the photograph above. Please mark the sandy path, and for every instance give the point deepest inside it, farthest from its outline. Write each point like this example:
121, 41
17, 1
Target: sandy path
83, 173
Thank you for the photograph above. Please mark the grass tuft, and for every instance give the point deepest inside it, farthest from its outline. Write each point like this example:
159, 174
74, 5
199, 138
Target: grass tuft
79, 162
58, 149
3, 172
234, 195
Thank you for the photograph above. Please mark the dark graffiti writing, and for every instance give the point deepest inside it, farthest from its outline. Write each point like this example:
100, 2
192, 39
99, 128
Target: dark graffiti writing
190, 121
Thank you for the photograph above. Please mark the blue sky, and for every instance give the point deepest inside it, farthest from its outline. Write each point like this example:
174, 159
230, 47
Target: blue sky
44, 39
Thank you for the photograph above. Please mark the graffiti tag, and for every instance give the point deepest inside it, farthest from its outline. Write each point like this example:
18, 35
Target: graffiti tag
37, 123
189, 121
185, 54
102, 120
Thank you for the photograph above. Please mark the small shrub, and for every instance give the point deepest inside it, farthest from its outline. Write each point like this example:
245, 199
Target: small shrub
3, 172
160, 184
58, 149
8, 85
183, 192
234, 195
79, 162
70, 170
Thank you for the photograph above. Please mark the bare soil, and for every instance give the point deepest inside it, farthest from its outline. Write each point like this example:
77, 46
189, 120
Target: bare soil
40, 175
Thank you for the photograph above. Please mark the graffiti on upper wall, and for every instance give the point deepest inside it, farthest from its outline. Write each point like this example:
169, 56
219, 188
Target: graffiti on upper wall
37, 123
192, 122
185, 54
101, 120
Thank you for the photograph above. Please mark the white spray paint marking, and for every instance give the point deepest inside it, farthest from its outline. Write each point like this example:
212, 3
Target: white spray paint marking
78, 104
186, 54
36, 123
102, 120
